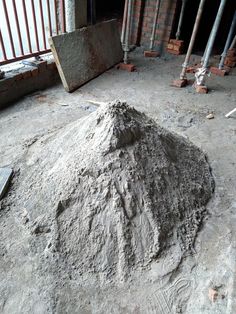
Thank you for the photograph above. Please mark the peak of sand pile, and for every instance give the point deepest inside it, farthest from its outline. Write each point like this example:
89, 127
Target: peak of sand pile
112, 191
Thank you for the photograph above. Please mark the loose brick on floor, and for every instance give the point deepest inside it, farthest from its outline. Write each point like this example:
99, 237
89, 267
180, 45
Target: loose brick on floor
151, 54
127, 67
180, 83
218, 71
201, 89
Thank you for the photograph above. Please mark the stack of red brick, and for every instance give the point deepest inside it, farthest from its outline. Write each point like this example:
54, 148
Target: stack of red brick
175, 46
230, 60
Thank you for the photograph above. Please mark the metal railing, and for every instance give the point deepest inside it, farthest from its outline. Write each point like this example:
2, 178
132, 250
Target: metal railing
25, 26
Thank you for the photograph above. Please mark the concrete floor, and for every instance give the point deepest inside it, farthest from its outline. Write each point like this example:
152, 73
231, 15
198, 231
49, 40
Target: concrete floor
180, 110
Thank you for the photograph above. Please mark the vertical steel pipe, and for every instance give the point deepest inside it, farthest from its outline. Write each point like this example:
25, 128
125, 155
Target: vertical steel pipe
42, 23
213, 33
228, 41
124, 23
63, 16
204, 54
9, 28
127, 33
201, 72
93, 11
192, 40
27, 26
3, 47
56, 17
207, 45
181, 19
49, 18
18, 27
153, 35
35, 25
233, 43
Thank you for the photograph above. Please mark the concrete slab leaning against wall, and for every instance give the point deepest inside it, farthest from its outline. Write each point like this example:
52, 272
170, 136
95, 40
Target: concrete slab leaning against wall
87, 52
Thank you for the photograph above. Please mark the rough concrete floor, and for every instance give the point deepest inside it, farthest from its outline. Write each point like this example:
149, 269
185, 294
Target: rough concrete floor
181, 110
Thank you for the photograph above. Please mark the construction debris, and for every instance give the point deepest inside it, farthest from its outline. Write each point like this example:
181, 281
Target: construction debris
210, 116
230, 113
212, 294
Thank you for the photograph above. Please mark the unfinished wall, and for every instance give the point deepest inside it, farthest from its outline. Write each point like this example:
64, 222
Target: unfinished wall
18, 83
143, 22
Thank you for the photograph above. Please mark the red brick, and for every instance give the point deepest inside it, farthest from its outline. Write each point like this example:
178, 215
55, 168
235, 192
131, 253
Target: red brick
176, 42
174, 52
191, 69
177, 48
217, 71
127, 67
151, 54
201, 89
180, 83
170, 46
231, 52
231, 59
229, 63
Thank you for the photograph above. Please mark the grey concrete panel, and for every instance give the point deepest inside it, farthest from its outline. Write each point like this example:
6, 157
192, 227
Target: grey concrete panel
87, 52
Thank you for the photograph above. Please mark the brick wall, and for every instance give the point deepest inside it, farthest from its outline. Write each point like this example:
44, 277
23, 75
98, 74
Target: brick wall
18, 83
143, 16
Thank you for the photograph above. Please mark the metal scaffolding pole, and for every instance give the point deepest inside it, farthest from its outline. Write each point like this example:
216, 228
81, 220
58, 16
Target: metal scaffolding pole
181, 19
124, 23
93, 11
200, 74
152, 39
233, 43
127, 32
228, 41
204, 54
192, 40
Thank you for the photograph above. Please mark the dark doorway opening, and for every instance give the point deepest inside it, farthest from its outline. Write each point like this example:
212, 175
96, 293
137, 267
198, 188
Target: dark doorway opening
207, 21
106, 9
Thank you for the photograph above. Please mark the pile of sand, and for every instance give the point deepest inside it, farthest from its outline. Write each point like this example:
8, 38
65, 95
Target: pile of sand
109, 193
